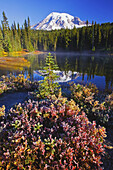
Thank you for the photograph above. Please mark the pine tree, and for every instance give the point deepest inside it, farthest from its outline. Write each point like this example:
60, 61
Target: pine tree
19, 31
30, 47
67, 38
55, 41
19, 36
12, 41
48, 86
1, 40
92, 29
98, 36
17, 41
28, 34
26, 27
28, 30
82, 39
87, 37
24, 40
87, 23
74, 39
106, 37
77, 39
6, 39
95, 35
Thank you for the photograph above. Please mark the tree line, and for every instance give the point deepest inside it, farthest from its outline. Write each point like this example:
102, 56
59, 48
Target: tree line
15, 38
94, 37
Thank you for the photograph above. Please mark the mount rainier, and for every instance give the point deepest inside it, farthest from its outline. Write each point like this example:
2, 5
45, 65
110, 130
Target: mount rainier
57, 21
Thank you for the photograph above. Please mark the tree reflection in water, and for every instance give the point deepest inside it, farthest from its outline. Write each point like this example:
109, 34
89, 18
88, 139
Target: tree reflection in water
94, 69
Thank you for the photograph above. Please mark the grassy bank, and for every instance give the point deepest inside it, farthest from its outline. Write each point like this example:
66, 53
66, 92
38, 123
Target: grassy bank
18, 53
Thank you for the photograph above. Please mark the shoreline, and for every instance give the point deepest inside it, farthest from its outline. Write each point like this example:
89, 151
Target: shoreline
81, 53
19, 53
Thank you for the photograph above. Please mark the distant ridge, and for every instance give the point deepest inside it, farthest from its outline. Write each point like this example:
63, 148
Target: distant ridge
56, 20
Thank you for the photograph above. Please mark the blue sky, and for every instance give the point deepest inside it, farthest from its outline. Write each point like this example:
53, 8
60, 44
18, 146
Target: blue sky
18, 10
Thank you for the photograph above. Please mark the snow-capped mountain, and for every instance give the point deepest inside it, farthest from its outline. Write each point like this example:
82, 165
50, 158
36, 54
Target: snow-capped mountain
57, 21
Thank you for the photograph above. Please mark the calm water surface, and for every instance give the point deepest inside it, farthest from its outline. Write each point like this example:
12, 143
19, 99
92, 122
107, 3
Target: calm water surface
78, 68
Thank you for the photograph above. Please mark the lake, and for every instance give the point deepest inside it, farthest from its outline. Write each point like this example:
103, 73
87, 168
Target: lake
81, 69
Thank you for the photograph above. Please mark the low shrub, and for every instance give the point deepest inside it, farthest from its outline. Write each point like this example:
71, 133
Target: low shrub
3, 87
87, 99
109, 105
12, 83
2, 111
50, 134
109, 100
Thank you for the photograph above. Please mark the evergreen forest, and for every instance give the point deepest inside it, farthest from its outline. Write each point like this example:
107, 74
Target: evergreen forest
15, 38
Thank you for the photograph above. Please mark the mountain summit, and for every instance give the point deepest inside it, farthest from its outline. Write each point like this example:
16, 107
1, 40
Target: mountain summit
57, 21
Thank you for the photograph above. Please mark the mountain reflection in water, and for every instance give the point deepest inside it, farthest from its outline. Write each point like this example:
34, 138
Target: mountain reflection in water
62, 75
94, 69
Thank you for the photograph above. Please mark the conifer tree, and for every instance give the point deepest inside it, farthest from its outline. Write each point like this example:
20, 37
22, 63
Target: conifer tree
1, 40
55, 43
87, 23
67, 38
77, 39
74, 39
82, 39
98, 36
17, 41
95, 35
48, 86
12, 41
28, 31
106, 38
19, 36
18, 30
6, 39
92, 29
24, 36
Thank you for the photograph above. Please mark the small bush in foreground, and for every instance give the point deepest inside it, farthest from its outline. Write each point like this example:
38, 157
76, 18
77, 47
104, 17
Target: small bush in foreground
2, 111
48, 86
109, 100
86, 97
12, 83
51, 134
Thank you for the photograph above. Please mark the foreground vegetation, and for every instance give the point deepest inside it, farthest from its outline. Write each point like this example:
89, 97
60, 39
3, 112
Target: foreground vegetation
51, 134
11, 83
50, 131
92, 37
